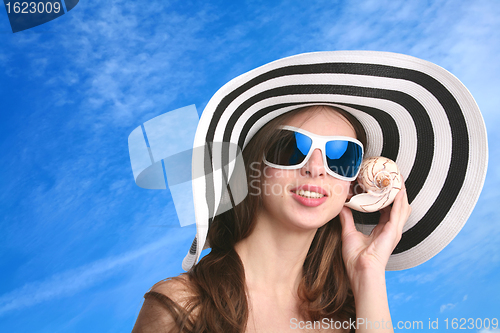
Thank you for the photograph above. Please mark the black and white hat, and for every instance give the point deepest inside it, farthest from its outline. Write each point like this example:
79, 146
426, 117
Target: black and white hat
413, 111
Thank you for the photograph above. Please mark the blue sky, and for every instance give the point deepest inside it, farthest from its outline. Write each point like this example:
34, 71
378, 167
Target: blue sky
81, 243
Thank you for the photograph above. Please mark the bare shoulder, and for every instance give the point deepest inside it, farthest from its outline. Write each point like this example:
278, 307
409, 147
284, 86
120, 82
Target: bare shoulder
165, 297
179, 289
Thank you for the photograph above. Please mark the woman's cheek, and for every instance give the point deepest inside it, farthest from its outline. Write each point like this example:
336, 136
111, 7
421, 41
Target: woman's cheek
342, 189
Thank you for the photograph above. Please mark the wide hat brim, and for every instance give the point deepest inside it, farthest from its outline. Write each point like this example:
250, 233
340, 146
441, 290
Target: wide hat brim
413, 111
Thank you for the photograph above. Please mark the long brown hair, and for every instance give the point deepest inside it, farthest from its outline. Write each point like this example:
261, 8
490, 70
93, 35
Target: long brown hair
218, 280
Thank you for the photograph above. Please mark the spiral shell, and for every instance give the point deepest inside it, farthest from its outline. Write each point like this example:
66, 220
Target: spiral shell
381, 181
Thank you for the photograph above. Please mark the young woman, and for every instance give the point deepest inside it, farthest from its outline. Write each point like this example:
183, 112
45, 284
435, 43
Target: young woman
285, 256
289, 256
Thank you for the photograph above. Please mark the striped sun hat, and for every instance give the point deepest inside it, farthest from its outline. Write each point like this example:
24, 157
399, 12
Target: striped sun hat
413, 111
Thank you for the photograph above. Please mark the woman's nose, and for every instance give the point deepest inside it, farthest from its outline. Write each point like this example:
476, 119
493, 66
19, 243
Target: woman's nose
314, 166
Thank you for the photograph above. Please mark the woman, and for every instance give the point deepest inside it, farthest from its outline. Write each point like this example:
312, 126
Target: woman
266, 259
289, 255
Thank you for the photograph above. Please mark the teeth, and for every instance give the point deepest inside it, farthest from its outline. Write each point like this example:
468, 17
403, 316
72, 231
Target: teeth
309, 194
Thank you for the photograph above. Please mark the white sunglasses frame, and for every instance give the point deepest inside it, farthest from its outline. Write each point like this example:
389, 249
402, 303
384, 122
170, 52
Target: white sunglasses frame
318, 141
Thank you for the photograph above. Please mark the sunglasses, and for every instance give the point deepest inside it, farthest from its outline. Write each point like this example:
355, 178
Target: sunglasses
342, 155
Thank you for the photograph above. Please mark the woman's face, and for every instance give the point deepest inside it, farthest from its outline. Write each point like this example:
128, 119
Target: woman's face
283, 200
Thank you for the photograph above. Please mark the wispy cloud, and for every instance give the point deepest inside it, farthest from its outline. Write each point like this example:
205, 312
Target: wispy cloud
400, 298
75, 280
421, 278
119, 68
449, 306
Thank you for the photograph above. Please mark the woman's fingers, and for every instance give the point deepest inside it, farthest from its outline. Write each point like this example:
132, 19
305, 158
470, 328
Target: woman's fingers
393, 219
404, 209
405, 212
384, 218
347, 221
399, 215
385, 214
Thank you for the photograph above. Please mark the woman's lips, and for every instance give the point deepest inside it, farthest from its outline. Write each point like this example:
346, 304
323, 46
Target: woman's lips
309, 195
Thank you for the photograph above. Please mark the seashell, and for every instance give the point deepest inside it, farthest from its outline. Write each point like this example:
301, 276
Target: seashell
380, 179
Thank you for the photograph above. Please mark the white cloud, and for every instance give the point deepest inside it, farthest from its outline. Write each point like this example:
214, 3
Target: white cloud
448, 306
75, 280
421, 278
401, 297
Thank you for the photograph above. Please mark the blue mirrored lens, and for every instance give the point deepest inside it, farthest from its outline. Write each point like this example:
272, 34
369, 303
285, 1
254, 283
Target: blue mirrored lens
303, 143
343, 157
336, 149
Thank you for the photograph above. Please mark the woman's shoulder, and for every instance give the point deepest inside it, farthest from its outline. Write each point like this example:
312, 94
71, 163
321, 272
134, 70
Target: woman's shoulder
163, 304
179, 289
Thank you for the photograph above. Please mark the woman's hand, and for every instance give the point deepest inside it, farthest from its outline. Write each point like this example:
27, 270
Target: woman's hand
363, 253
365, 258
